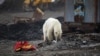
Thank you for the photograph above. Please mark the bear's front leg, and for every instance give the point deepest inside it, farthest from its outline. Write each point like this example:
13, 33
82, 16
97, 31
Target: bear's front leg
49, 36
58, 36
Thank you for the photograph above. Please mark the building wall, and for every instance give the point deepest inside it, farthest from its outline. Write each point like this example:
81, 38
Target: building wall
69, 11
89, 11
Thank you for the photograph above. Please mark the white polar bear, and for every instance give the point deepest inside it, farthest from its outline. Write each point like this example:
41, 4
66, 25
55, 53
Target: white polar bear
52, 29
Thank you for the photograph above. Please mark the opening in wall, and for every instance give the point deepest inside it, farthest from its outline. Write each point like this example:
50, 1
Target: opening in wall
79, 10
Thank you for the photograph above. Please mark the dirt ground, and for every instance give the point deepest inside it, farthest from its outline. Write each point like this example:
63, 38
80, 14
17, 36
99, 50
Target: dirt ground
6, 49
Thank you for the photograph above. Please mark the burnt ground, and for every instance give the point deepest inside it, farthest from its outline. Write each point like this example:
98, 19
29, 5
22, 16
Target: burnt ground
72, 44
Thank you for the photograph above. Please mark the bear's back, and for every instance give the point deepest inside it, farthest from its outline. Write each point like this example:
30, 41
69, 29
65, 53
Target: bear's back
53, 23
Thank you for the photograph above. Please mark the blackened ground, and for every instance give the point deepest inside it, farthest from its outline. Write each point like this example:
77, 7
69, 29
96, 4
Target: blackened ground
22, 31
67, 47
72, 44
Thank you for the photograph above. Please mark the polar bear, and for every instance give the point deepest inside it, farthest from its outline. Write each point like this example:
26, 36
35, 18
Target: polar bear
52, 30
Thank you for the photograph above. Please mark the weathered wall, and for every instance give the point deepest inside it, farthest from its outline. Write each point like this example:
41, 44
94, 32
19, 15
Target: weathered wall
89, 11
69, 11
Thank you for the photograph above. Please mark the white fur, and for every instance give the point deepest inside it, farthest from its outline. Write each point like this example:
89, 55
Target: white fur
52, 27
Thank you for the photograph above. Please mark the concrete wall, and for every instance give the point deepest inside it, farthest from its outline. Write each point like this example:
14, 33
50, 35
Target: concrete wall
89, 11
69, 11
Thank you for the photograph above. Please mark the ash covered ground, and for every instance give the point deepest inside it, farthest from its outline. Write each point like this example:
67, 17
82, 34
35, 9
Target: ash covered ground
72, 44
